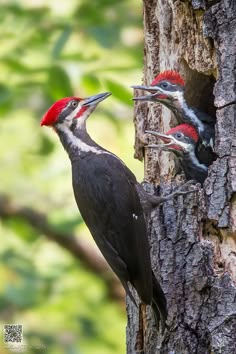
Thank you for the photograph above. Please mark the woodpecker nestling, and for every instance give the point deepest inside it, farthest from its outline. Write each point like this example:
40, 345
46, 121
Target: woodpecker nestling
168, 88
182, 140
108, 197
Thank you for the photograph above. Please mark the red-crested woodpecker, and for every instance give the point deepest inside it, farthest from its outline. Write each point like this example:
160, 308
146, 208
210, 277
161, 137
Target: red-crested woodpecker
182, 140
110, 200
168, 89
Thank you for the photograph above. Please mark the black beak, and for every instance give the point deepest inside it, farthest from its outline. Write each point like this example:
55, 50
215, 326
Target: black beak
144, 88
94, 100
151, 89
164, 137
145, 98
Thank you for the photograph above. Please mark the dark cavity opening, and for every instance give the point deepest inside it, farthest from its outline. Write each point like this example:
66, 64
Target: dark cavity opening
199, 90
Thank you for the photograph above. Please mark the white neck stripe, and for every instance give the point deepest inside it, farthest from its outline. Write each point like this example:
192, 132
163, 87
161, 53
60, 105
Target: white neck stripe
190, 113
82, 146
196, 162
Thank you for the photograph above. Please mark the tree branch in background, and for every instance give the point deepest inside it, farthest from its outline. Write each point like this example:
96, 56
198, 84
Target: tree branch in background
78, 247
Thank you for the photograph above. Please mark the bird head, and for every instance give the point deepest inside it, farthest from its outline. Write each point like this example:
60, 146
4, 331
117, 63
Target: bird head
181, 139
166, 88
66, 110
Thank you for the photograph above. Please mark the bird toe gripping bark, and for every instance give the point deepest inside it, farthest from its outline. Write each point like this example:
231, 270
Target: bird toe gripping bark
156, 200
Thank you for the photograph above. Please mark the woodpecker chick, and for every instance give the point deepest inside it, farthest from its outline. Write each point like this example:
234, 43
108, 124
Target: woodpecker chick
182, 140
107, 195
168, 89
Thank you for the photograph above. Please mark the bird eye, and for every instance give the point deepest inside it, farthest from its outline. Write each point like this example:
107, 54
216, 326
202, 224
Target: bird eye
178, 135
164, 85
74, 103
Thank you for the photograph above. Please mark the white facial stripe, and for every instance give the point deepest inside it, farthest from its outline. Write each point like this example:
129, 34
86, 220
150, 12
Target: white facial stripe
191, 151
196, 162
185, 146
189, 112
73, 113
82, 146
179, 96
189, 148
161, 90
80, 121
83, 117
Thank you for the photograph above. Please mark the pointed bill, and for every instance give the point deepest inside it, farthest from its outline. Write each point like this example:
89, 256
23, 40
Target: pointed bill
164, 137
143, 87
94, 100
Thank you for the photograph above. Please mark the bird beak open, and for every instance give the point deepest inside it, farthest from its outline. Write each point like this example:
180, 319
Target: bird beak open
155, 93
94, 100
170, 143
150, 89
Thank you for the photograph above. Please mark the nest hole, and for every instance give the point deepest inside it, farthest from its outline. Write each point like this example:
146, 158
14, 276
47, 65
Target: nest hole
199, 90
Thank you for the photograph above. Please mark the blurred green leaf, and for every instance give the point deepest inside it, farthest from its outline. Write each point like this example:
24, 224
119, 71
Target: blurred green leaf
46, 146
119, 91
5, 94
22, 229
69, 225
58, 83
90, 83
61, 42
15, 64
107, 37
23, 296
5, 98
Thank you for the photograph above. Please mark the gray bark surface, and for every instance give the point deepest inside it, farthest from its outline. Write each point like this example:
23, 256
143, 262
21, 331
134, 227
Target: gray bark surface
193, 238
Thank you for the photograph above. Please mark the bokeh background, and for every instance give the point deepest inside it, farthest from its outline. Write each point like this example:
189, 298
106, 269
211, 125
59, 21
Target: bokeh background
52, 49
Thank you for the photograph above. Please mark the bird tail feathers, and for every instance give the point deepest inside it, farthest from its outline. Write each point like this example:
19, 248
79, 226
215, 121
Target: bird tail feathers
159, 304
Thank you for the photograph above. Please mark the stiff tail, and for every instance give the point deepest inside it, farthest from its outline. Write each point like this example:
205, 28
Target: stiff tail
159, 304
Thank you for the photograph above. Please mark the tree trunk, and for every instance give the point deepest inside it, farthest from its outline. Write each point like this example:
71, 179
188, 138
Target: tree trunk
193, 238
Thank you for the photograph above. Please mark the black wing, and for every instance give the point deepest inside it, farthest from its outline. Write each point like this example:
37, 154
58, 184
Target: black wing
193, 173
106, 196
205, 154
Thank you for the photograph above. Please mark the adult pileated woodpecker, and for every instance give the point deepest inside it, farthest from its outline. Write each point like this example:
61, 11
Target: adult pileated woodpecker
182, 140
108, 197
168, 88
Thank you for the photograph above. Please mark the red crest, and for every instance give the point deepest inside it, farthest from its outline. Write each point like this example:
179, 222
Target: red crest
170, 75
187, 130
50, 117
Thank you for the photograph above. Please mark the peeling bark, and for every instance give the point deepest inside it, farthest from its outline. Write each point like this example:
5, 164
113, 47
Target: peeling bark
193, 238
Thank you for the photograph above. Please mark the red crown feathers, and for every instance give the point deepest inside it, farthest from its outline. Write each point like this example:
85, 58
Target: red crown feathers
170, 75
187, 130
51, 115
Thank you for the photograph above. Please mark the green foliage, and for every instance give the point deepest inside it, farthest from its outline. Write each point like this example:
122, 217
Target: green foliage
50, 50
119, 91
58, 83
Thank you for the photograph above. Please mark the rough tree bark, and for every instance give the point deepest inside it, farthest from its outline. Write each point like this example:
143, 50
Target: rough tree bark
193, 238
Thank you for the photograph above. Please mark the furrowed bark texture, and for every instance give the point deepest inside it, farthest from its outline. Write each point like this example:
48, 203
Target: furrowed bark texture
193, 238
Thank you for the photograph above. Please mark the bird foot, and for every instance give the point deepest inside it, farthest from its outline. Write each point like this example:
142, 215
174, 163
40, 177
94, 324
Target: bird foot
156, 201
